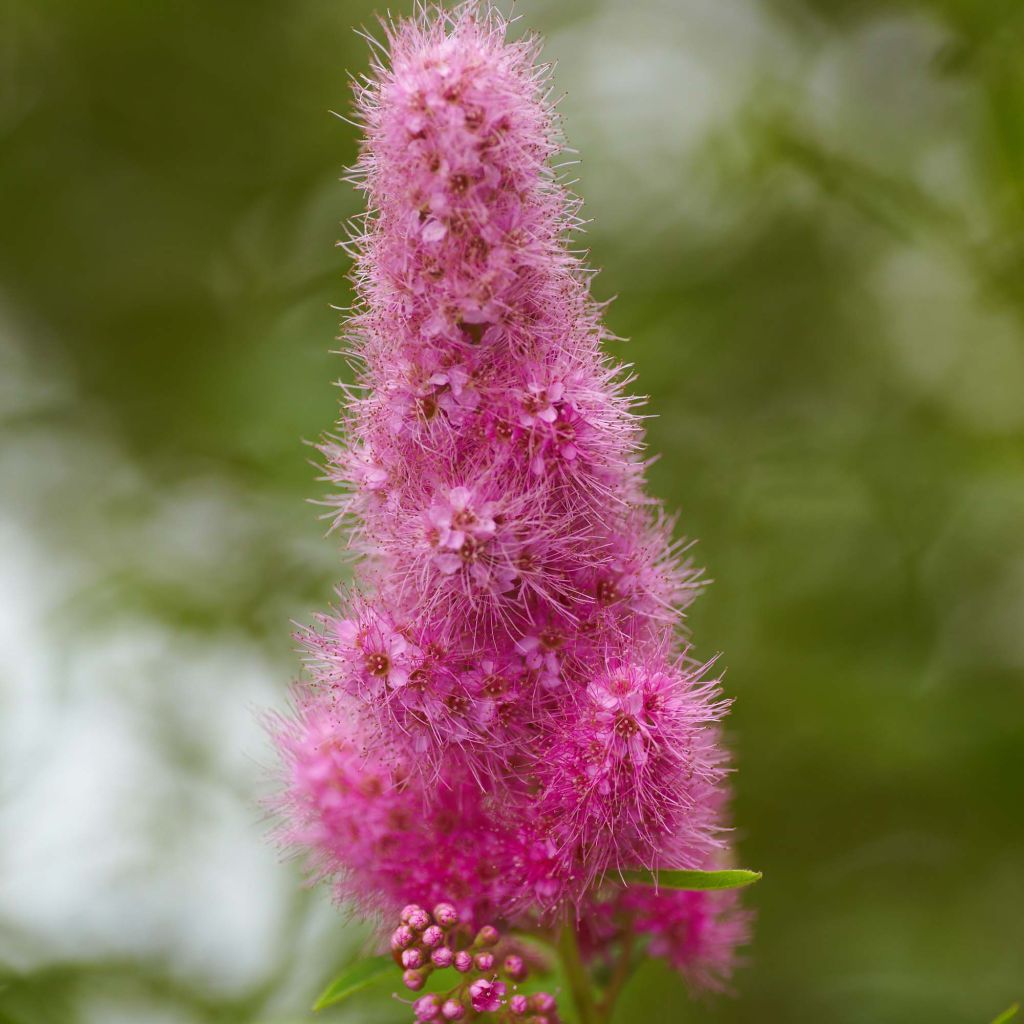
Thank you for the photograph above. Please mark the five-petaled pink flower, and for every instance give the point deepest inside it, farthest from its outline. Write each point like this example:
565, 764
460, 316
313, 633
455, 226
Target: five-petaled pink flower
621, 718
487, 996
380, 648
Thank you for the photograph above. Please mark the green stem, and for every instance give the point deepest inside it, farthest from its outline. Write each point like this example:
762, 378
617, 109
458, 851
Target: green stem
576, 975
623, 972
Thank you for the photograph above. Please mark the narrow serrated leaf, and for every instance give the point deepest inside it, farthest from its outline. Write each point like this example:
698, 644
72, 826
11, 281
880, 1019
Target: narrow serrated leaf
352, 979
1007, 1014
734, 878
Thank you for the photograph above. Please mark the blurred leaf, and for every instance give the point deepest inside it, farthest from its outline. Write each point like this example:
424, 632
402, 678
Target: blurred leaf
352, 979
1007, 1015
734, 878
541, 946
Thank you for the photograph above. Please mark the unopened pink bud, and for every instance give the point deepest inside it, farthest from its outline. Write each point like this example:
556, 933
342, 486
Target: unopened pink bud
453, 1010
445, 915
514, 967
463, 961
487, 936
408, 911
414, 980
412, 958
484, 961
543, 1001
433, 936
442, 957
401, 937
427, 1007
519, 1005
418, 919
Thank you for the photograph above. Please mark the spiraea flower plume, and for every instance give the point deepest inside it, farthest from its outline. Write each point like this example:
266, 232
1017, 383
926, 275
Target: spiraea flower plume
502, 712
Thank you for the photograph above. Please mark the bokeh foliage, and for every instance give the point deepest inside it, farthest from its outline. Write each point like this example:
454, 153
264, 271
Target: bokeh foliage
812, 214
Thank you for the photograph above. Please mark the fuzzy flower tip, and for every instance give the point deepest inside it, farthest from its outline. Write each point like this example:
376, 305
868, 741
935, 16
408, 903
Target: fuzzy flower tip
502, 712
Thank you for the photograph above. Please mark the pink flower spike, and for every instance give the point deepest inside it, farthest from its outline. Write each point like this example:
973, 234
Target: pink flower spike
503, 715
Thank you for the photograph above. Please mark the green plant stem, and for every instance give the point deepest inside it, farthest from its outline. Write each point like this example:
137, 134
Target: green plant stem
623, 971
576, 975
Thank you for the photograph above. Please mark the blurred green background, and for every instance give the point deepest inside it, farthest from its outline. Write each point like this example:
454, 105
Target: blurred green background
812, 212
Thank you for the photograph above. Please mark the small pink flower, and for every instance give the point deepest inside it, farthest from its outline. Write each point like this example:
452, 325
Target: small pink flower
696, 932
539, 403
543, 651
381, 649
367, 472
460, 518
568, 433
620, 716
486, 995
453, 393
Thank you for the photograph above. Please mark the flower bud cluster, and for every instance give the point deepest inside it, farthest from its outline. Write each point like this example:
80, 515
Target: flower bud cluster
486, 970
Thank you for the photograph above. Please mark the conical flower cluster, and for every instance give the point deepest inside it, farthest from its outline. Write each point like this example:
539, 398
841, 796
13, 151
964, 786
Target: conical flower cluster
503, 712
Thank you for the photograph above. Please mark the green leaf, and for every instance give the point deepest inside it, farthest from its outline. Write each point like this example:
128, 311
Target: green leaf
735, 878
355, 977
1007, 1015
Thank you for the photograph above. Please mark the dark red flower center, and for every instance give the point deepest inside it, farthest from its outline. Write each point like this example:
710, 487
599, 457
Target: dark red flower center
378, 664
626, 726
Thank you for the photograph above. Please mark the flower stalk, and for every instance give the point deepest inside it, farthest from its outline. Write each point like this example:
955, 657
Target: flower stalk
577, 976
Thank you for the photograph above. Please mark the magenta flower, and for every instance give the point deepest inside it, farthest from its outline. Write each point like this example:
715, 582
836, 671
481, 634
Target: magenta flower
375, 649
487, 996
696, 932
459, 528
502, 714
